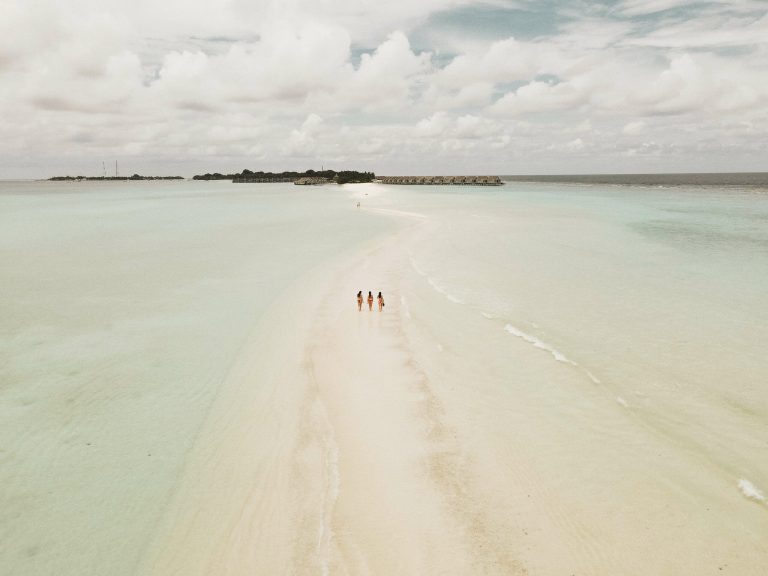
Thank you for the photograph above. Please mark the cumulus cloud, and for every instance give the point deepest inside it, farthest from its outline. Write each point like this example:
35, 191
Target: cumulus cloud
634, 128
240, 81
283, 65
385, 77
542, 97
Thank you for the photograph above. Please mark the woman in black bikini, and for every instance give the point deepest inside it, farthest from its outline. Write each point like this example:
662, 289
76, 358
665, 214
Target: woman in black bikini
380, 298
370, 301
360, 300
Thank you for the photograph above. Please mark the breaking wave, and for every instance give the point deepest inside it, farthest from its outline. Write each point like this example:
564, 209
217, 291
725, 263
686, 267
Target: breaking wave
439, 289
559, 356
750, 490
443, 291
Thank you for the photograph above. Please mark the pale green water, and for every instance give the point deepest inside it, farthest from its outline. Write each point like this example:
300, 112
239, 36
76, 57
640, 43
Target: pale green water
678, 274
122, 306
616, 336
658, 292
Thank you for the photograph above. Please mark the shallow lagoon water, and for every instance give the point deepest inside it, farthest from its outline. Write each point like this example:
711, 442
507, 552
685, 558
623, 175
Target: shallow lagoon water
123, 307
600, 346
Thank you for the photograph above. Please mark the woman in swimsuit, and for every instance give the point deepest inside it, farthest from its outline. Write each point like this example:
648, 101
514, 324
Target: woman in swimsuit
360, 300
370, 300
380, 298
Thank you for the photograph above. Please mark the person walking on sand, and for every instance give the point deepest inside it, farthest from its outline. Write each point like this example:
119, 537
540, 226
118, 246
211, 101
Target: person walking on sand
370, 301
380, 298
360, 300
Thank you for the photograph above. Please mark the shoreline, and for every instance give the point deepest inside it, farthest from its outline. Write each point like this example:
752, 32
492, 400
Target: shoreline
386, 443
273, 392
489, 421
360, 471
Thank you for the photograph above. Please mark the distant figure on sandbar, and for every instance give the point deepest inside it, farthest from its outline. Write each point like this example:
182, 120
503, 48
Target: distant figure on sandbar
358, 204
370, 301
360, 300
380, 298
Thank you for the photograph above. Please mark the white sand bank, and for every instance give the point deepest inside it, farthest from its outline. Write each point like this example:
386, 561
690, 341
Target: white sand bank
327, 453
428, 440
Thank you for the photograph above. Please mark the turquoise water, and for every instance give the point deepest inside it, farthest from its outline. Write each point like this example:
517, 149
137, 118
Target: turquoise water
123, 307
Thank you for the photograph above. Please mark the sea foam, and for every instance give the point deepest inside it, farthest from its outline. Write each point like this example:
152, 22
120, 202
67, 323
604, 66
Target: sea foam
435, 286
440, 290
559, 356
415, 266
750, 490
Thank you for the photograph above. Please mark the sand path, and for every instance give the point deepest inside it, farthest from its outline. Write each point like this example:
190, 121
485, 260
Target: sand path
399, 502
328, 451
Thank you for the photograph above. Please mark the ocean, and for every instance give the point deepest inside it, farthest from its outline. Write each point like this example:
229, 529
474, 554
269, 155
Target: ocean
593, 354
124, 306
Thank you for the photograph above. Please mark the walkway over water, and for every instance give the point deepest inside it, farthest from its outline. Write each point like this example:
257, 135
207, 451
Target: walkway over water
444, 180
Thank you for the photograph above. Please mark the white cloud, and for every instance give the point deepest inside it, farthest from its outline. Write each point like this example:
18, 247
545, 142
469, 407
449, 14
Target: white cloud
575, 145
303, 141
385, 77
705, 84
234, 80
634, 128
707, 31
542, 97
474, 95
504, 61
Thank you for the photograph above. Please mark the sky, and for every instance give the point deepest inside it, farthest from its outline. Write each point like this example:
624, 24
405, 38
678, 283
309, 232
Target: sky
176, 87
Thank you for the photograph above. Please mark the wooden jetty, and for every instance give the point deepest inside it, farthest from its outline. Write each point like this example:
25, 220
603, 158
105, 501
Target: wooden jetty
443, 180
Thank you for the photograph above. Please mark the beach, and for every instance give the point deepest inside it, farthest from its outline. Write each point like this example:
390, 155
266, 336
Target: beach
564, 380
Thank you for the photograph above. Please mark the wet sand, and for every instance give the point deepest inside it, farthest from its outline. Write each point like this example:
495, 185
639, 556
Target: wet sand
371, 447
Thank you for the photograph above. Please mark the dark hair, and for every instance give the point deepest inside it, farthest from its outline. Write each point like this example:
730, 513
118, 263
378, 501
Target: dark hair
369, 293
379, 294
359, 292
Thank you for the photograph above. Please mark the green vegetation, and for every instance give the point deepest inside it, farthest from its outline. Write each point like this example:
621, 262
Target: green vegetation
134, 177
343, 177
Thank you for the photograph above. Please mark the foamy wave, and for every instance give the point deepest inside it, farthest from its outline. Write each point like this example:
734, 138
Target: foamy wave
442, 291
594, 378
489, 316
432, 282
415, 266
559, 356
621, 401
750, 490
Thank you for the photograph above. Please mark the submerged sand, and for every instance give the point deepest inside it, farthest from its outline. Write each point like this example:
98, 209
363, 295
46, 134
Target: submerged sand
562, 381
354, 443
341, 460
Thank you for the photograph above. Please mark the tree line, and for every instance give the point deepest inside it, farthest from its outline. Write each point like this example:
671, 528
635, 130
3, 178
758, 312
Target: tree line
342, 177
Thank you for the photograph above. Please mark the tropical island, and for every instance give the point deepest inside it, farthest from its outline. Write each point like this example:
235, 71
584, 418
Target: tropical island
308, 176
103, 178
